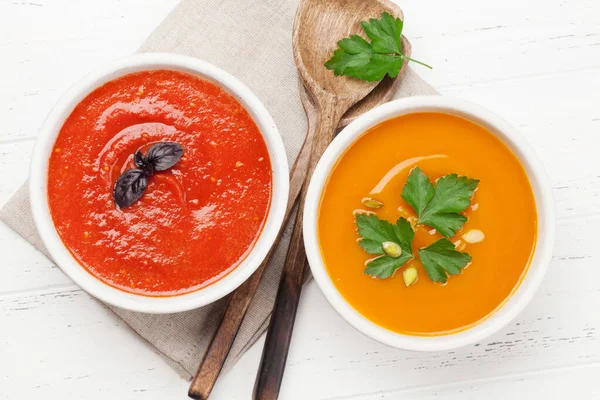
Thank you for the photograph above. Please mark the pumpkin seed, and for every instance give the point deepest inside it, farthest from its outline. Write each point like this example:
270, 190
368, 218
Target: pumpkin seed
392, 249
372, 203
410, 276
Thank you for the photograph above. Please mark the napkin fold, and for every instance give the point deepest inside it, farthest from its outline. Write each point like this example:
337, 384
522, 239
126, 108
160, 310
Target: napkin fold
252, 40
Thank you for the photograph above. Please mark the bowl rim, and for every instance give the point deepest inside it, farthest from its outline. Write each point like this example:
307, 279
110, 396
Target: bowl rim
542, 255
39, 171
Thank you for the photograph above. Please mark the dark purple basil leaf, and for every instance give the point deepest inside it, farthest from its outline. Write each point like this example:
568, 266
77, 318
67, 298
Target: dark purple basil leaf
129, 187
139, 159
143, 163
164, 155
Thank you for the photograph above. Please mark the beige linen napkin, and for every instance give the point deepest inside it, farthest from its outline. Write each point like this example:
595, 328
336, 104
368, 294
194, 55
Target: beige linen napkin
252, 40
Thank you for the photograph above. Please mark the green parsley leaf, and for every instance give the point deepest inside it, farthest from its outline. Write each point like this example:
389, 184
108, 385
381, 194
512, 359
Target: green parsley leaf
441, 259
452, 196
384, 34
372, 61
383, 267
374, 232
379, 65
439, 206
353, 55
418, 191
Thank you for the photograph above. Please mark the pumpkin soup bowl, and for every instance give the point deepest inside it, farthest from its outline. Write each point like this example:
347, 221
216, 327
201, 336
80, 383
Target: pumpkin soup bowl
273, 213
529, 280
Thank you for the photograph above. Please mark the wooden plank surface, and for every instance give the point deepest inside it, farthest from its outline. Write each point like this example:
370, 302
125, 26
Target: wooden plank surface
537, 63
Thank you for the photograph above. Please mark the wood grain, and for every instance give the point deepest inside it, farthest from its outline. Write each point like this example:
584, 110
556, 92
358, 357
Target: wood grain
279, 334
216, 354
497, 59
333, 96
220, 345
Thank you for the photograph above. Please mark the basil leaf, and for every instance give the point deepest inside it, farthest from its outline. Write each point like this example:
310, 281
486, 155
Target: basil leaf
139, 159
164, 155
129, 187
132, 183
142, 162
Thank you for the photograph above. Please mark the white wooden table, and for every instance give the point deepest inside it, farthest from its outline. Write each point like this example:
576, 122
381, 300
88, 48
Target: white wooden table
536, 62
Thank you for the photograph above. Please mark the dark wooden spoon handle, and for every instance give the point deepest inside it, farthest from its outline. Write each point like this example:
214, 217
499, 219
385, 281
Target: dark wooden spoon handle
280, 330
220, 345
272, 365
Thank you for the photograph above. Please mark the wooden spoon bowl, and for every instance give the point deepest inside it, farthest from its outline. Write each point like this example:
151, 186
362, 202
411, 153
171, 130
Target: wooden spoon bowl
318, 26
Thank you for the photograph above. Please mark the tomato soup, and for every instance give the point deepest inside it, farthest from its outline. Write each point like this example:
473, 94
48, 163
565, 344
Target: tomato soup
502, 208
196, 221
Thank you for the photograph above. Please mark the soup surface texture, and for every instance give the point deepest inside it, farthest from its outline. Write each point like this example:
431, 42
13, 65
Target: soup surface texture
196, 221
503, 208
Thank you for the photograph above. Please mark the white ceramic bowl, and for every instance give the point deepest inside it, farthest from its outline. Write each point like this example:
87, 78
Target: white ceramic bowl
543, 198
39, 172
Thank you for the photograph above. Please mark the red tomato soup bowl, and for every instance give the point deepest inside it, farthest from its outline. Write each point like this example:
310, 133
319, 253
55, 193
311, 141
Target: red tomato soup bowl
380, 150
197, 227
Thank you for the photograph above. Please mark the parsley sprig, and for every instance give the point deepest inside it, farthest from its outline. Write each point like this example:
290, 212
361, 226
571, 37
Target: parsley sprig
438, 206
374, 232
441, 259
372, 61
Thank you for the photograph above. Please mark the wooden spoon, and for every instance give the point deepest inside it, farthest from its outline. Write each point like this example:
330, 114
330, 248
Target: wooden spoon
237, 306
317, 27
220, 345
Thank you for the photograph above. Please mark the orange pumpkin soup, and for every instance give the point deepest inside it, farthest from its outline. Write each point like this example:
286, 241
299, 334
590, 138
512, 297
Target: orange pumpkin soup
377, 165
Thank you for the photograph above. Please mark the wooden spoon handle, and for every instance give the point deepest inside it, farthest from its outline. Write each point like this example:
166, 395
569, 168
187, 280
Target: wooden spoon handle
277, 343
220, 345
279, 334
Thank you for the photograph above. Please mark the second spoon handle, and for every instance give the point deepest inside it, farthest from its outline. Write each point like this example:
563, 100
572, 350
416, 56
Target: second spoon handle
274, 356
222, 341
276, 348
